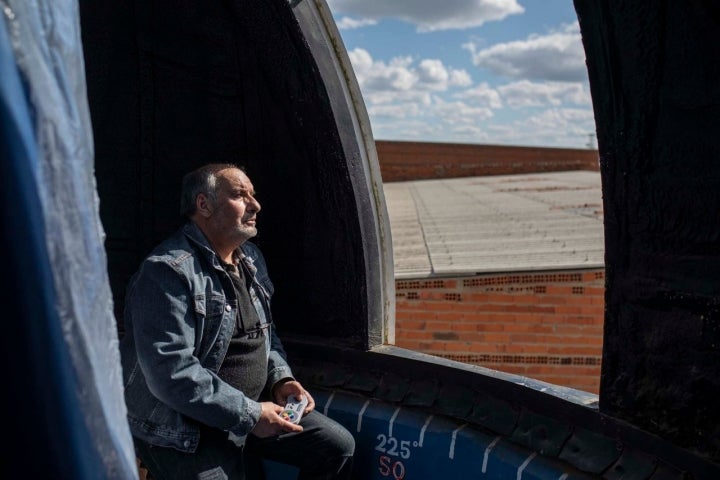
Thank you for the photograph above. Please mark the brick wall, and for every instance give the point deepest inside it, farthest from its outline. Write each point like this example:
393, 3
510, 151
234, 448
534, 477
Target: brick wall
543, 325
401, 161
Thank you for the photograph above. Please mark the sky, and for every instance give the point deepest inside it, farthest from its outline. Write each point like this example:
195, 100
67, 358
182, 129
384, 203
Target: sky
501, 72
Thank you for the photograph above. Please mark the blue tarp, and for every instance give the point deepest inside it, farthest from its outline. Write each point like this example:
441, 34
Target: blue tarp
60, 352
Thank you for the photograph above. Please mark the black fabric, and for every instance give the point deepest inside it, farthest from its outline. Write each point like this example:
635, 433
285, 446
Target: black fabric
247, 319
245, 364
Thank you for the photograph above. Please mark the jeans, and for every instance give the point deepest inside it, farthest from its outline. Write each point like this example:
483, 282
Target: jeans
322, 451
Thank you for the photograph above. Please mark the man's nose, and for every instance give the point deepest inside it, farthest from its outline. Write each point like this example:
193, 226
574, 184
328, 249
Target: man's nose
254, 204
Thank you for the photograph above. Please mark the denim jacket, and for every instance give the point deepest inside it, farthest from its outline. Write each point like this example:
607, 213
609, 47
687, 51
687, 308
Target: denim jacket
180, 314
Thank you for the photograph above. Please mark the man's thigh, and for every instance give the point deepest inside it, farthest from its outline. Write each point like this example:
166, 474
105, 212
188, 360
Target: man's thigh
322, 440
216, 458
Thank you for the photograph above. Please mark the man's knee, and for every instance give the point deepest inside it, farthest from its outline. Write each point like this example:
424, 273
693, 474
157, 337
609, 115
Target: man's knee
346, 443
338, 438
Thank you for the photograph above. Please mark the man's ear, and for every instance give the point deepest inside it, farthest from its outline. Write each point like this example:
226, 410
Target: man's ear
203, 205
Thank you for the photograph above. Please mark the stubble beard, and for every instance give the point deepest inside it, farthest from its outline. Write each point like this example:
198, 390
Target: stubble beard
247, 232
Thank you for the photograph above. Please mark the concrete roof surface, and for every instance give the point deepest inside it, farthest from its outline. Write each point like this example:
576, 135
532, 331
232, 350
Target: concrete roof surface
492, 224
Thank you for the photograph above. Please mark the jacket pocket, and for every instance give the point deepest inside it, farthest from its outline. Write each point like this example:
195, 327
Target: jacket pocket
209, 311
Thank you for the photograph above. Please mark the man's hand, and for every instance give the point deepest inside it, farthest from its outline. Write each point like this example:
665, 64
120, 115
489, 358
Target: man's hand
283, 389
271, 423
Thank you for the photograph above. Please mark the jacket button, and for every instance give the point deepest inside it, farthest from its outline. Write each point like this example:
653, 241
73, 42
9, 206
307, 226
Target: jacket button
186, 443
228, 308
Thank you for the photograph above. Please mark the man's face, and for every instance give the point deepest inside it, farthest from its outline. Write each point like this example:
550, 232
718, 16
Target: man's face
235, 210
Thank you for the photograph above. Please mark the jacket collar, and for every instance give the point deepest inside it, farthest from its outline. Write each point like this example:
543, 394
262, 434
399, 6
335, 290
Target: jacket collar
198, 238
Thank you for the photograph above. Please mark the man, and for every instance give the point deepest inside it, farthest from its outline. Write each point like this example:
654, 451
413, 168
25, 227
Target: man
205, 375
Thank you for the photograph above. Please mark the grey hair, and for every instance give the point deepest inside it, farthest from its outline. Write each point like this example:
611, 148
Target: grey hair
203, 180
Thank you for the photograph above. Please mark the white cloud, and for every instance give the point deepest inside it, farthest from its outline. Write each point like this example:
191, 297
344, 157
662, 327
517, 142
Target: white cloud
555, 56
482, 94
543, 94
460, 78
347, 23
379, 76
361, 61
435, 110
567, 118
454, 113
388, 96
404, 74
428, 15
559, 125
471, 134
405, 129
545, 102
432, 72
424, 99
398, 110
